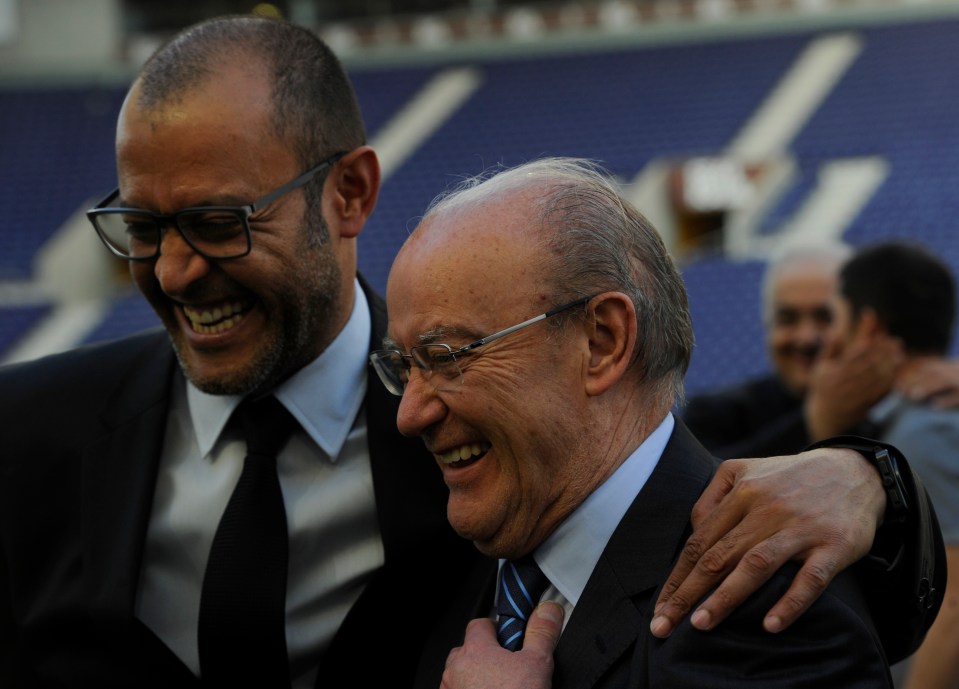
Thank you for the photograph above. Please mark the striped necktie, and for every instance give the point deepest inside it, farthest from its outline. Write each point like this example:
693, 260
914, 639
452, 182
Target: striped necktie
521, 585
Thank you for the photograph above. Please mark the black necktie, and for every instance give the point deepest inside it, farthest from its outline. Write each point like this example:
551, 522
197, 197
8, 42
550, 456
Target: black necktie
521, 585
242, 628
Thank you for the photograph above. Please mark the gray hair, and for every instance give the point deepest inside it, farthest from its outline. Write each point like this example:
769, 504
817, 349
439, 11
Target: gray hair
828, 255
594, 241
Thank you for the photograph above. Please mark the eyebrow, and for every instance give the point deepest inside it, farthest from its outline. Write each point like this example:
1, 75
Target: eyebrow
440, 334
228, 201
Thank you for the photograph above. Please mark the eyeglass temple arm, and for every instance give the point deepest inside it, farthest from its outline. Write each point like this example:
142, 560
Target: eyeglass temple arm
501, 333
513, 329
294, 183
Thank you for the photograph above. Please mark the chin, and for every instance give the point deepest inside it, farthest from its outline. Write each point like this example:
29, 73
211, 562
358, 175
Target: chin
467, 526
218, 378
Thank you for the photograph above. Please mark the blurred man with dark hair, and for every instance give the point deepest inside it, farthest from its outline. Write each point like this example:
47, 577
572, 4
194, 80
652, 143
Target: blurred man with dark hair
244, 180
903, 290
811, 393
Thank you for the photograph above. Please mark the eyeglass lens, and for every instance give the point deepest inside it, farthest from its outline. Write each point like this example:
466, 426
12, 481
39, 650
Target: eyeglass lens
436, 362
215, 233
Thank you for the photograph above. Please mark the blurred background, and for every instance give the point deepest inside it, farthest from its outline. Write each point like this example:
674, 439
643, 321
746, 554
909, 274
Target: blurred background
735, 125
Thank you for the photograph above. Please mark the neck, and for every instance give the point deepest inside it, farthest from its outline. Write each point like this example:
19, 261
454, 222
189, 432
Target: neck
624, 425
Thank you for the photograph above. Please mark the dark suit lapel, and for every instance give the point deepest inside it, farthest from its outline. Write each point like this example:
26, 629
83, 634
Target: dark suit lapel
421, 549
410, 494
119, 474
614, 610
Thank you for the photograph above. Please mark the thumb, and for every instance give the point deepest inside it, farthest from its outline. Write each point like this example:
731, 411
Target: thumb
544, 627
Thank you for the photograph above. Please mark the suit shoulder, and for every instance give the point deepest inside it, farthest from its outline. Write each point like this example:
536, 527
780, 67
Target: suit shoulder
94, 364
833, 643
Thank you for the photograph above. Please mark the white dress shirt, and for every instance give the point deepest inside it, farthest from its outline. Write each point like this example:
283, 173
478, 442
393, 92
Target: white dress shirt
569, 555
327, 486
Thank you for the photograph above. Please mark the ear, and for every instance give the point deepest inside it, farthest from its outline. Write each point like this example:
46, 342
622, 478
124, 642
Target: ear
612, 341
352, 189
868, 323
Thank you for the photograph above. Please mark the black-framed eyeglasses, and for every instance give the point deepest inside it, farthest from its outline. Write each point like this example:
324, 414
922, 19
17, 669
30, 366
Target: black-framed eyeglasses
215, 232
439, 362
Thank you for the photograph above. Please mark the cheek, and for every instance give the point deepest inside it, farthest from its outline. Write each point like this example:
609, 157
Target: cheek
141, 272
781, 339
145, 279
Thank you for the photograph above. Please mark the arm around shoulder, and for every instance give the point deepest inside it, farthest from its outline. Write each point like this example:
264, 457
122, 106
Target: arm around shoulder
832, 645
905, 571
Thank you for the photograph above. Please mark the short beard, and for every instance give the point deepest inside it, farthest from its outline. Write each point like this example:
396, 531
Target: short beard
305, 323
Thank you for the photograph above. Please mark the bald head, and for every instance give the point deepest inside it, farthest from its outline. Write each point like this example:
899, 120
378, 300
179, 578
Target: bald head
589, 239
798, 290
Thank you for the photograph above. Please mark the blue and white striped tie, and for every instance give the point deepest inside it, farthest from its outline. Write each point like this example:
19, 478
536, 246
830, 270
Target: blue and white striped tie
521, 585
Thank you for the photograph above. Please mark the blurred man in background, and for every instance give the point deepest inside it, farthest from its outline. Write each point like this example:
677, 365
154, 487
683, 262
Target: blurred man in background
813, 392
556, 441
244, 180
902, 290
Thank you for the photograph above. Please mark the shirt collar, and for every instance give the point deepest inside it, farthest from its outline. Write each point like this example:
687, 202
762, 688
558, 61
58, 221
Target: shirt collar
324, 396
571, 552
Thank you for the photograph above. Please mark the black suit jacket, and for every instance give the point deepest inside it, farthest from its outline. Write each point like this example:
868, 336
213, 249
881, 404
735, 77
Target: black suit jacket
760, 417
81, 438
757, 418
607, 644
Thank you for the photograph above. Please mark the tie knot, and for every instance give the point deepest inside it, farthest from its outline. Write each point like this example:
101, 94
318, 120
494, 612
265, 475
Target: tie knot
267, 425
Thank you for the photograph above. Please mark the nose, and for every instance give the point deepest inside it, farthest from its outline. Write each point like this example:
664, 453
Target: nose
178, 265
420, 406
809, 332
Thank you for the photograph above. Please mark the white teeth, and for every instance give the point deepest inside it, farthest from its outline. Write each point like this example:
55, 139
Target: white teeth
216, 320
467, 451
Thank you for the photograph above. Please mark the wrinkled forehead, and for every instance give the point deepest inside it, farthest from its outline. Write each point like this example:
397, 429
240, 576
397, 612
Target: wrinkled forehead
474, 259
808, 285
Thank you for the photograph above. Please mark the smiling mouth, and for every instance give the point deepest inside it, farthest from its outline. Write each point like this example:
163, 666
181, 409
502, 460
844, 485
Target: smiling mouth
464, 454
218, 319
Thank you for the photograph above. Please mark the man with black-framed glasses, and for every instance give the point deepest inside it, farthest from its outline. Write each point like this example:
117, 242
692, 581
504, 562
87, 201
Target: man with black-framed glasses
240, 199
214, 232
244, 179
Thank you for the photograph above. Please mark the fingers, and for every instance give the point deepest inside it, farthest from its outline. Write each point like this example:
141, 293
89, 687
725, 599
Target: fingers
755, 569
820, 508
809, 583
543, 629
707, 554
945, 400
480, 631
480, 663
935, 380
741, 572
845, 388
706, 508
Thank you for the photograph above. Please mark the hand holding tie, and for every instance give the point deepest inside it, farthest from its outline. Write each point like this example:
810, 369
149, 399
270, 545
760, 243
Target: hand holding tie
481, 663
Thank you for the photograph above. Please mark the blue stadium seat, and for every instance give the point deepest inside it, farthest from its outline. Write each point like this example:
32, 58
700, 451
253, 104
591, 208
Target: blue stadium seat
623, 107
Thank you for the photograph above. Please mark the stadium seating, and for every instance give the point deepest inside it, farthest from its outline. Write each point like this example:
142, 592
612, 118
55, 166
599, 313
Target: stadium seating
624, 107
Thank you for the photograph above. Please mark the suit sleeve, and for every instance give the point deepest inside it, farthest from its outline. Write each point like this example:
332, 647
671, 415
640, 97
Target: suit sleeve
7, 632
834, 644
905, 572
727, 439
751, 420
